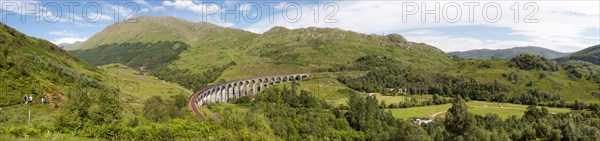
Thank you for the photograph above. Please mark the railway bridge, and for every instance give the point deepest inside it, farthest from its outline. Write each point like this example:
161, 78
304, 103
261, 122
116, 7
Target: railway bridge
222, 92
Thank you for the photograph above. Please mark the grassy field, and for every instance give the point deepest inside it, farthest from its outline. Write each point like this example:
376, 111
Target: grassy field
503, 110
136, 87
17, 115
387, 99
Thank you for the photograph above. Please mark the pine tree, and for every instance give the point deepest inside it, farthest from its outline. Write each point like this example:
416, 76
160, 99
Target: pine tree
458, 119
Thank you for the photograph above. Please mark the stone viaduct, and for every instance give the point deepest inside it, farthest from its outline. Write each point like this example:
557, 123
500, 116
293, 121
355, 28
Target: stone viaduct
222, 92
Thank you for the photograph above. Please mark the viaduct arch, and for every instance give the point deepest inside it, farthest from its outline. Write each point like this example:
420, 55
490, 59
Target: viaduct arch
222, 92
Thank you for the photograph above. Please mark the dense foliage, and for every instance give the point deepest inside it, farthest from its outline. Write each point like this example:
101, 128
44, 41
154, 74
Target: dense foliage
158, 110
582, 70
533, 62
536, 123
293, 114
89, 107
386, 76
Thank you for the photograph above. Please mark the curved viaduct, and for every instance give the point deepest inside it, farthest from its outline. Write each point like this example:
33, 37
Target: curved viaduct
222, 92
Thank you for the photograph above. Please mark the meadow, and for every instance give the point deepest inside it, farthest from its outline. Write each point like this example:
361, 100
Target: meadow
503, 110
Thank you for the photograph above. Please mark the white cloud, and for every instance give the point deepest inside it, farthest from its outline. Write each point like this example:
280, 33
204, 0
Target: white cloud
94, 17
560, 25
188, 5
148, 6
144, 10
142, 2
450, 44
68, 40
63, 33
158, 8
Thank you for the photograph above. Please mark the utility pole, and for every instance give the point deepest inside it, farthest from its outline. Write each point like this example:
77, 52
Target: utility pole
29, 118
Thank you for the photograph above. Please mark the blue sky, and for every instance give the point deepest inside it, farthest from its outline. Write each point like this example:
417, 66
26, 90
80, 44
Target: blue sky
565, 26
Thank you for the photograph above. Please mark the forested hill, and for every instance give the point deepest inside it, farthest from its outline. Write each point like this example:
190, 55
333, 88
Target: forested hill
508, 53
37, 67
590, 54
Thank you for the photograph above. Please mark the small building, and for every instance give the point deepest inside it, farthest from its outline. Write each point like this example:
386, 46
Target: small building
422, 121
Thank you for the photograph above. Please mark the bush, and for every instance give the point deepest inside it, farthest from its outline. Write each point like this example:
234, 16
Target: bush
23, 131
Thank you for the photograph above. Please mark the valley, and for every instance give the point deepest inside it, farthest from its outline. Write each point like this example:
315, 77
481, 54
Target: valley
164, 78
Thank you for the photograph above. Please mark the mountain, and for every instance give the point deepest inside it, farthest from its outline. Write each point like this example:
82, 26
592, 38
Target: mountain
590, 54
242, 54
37, 67
72, 46
508, 53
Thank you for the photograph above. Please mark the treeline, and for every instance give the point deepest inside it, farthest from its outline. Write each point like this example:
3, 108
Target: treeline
412, 81
385, 76
408, 102
293, 114
535, 124
152, 58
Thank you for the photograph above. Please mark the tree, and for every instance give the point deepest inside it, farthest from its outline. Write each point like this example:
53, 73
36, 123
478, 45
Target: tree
75, 111
155, 109
107, 109
408, 131
458, 119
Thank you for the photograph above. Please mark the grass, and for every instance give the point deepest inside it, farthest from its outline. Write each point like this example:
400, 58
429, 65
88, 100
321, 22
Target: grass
17, 115
503, 110
46, 137
135, 86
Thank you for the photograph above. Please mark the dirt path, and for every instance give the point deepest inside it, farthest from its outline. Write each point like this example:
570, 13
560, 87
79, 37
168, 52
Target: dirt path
432, 117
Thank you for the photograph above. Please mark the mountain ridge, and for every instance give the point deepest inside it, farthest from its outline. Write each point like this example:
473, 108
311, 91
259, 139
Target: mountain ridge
589, 54
213, 46
508, 53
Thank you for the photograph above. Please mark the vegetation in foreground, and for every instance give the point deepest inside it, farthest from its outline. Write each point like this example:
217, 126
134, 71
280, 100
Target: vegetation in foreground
290, 113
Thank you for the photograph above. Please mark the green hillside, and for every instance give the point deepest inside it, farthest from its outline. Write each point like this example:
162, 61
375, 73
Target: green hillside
560, 82
37, 67
508, 53
211, 46
216, 54
280, 50
590, 54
